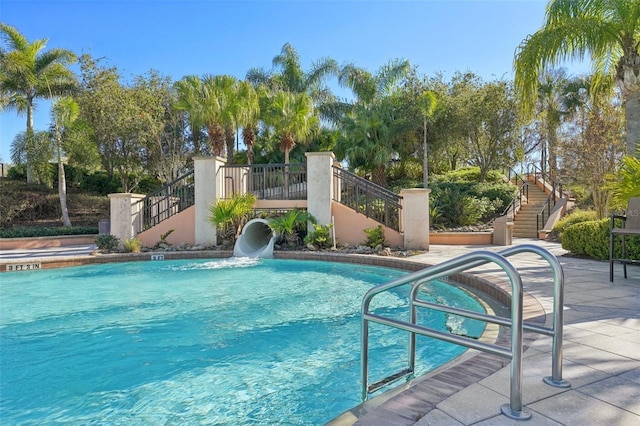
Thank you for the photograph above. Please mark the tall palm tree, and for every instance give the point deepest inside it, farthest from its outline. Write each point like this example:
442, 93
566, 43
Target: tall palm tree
288, 75
65, 112
607, 30
368, 87
427, 103
248, 114
292, 117
28, 73
551, 90
190, 95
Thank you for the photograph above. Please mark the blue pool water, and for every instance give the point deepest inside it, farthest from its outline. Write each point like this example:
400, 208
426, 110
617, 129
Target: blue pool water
227, 342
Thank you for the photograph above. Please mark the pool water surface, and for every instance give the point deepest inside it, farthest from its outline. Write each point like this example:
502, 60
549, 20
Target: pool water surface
227, 342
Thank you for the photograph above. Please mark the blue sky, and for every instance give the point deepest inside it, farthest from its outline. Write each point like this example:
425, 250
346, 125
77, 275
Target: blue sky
181, 37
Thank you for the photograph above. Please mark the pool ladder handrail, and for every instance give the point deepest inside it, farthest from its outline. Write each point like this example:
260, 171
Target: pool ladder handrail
514, 409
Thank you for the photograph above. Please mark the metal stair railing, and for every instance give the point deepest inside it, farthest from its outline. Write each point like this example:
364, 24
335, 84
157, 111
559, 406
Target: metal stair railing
523, 192
514, 409
556, 193
167, 201
265, 181
367, 198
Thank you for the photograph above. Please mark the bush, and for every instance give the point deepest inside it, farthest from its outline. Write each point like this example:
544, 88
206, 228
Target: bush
107, 243
18, 172
464, 203
576, 216
592, 239
132, 245
375, 237
468, 175
320, 237
23, 232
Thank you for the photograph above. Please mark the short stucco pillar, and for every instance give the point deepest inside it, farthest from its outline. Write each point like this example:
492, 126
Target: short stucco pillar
124, 212
207, 191
414, 221
320, 185
503, 230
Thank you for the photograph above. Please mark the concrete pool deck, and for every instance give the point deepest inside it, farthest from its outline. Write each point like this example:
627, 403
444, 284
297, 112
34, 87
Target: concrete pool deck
601, 351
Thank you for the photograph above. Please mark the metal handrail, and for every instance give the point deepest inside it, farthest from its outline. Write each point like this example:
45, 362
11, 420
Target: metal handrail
167, 201
555, 194
514, 409
556, 331
523, 192
368, 198
266, 181
419, 278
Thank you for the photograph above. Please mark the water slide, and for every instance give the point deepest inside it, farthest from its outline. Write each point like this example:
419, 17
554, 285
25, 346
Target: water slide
256, 240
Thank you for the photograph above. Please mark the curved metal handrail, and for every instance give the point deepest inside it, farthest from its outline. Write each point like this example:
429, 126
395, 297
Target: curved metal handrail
556, 331
514, 409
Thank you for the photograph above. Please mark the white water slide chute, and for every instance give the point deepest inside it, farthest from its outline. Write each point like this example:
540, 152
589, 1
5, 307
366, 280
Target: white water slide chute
256, 240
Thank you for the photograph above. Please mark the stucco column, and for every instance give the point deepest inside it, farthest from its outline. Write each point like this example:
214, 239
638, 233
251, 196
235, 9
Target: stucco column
208, 189
414, 221
320, 185
124, 212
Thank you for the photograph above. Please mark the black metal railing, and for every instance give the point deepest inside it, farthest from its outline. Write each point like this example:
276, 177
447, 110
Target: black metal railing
366, 197
556, 193
521, 194
266, 181
169, 200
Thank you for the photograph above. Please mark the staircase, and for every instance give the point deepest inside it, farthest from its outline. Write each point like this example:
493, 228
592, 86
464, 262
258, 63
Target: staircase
524, 223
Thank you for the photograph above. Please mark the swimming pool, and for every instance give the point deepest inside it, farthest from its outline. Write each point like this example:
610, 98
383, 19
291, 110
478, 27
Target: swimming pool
233, 341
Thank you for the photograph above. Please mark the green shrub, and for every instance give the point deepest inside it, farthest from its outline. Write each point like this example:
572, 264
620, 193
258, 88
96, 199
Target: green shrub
592, 239
132, 245
23, 232
291, 225
465, 203
107, 243
375, 237
320, 237
468, 175
576, 216
18, 172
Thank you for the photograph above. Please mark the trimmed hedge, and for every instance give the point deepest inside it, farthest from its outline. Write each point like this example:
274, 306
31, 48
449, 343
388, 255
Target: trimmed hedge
592, 239
47, 231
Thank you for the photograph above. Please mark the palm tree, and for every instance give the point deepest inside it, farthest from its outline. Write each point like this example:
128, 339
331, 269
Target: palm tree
287, 75
28, 73
369, 88
292, 117
65, 112
608, 30
190, 100
551, 89
366, 142
427, 103
248, 114
370, 125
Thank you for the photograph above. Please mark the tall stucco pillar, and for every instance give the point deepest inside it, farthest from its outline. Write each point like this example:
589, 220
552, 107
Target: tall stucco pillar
320, 185
124, 212
207, 190
414, 221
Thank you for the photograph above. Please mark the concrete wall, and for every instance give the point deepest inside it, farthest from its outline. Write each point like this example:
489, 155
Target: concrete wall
183, 225
350, 227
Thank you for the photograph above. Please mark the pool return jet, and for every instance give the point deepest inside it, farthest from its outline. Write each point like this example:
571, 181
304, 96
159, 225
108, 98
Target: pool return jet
256, 240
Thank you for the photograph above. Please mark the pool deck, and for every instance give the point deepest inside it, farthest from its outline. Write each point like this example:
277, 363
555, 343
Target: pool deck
601, 351
601, 354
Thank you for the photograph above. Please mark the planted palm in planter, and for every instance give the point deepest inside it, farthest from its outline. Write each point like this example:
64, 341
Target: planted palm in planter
289, 226
229, 215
